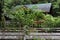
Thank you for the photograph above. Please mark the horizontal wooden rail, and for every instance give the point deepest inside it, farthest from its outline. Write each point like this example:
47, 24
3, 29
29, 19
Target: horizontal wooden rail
17, 35
34, 30
44, 35
11, 35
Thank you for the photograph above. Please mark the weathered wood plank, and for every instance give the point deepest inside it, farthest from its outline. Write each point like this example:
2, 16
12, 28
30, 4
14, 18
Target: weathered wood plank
44, 35
11, 34
11, 37
14, 35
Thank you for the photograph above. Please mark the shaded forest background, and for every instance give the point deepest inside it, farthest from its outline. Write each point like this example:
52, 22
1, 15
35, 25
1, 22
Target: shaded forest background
55, 3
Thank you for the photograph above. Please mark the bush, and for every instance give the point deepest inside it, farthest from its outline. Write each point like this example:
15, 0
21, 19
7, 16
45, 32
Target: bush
36, 18
29, 17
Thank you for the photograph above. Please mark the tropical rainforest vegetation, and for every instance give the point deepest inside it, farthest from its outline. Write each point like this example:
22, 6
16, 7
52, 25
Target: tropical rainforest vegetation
21, 16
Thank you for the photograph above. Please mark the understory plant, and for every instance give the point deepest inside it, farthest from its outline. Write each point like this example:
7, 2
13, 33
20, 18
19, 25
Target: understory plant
25, 16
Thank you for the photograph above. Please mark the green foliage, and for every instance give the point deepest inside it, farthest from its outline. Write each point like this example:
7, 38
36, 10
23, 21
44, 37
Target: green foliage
57, 22
25, 16
55, 4
51, 22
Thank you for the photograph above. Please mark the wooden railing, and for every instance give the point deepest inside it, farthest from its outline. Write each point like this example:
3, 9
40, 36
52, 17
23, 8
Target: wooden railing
32, 34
